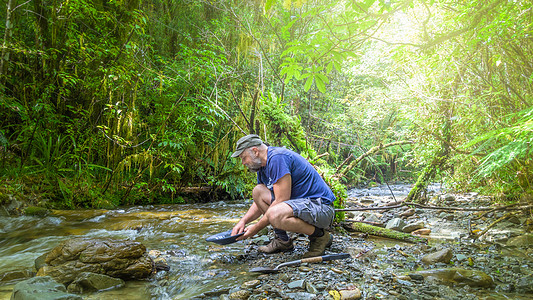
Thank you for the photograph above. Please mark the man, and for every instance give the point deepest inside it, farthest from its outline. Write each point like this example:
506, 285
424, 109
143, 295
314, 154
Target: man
290, 195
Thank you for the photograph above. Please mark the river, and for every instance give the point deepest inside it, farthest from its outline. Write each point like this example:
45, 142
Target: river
177, 229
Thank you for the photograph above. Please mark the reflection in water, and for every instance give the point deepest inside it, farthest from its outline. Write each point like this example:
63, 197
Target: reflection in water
195, 265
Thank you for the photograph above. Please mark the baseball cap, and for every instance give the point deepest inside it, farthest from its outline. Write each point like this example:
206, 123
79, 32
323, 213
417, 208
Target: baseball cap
246, 142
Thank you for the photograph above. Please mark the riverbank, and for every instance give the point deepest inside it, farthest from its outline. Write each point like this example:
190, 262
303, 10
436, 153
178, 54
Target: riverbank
379, 268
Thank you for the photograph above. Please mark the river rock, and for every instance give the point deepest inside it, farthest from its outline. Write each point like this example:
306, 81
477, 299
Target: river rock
444, 256
240, 295
92, 282
250, 284
121, 259
15, 275
350, 294
525, 284
395, 224
458, 276
41, 288
423, 231
298, 284
412, 226
407, 213
448, 198
525, 240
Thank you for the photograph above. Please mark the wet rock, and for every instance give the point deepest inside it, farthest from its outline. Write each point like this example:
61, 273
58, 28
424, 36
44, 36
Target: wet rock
412, 226
40, 261
41, 288
92, 282
15, 275
458, 276
396, 224
36, 211
121, 259
240, 295
525, 240
250, 284
525, 284
444, 256
161, 264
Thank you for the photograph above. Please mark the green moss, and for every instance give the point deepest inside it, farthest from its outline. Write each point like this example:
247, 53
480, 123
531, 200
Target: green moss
36, 211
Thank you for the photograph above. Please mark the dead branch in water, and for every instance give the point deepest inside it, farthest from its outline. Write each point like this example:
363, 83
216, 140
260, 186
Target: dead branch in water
411, 204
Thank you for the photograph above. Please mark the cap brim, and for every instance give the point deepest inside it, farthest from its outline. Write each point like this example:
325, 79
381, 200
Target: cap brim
237, 153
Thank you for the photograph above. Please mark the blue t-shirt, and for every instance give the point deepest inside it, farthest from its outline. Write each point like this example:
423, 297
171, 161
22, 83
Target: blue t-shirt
306, 182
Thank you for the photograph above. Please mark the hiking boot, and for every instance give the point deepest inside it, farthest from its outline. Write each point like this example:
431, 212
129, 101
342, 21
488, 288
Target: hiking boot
277, 245
318, 245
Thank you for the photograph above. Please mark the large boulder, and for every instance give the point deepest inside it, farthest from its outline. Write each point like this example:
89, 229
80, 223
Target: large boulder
41, 288
122, 259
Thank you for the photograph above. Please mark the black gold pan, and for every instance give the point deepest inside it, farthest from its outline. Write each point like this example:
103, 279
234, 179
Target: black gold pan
316, 259
224, 238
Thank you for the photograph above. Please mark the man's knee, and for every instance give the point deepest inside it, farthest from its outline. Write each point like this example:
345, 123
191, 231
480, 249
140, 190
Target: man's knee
278, 213
262, 193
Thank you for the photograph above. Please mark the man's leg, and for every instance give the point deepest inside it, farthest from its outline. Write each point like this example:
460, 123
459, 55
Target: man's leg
307, 216
263, 198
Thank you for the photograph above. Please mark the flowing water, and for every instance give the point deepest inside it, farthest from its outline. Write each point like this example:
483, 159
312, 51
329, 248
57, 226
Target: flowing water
195, 267
178, 231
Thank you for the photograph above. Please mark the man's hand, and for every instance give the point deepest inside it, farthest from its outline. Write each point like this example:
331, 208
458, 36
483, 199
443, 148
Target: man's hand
238, 228
249, 232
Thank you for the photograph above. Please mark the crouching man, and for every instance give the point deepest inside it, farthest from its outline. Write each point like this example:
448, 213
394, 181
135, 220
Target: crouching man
290, 195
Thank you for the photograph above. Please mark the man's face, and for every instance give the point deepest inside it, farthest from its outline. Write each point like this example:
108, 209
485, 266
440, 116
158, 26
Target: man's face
251, 160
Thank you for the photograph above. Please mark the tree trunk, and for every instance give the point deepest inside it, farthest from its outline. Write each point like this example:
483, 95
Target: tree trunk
368, 153
4, 60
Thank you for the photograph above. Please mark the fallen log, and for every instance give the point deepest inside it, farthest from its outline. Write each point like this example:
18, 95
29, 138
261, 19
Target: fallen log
382, 232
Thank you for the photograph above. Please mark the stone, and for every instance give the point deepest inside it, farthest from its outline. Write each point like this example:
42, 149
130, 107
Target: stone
525, 284
298, 296
460, 257
93, 282
41, 288
457, 276
395, 224
310, 288
240, 295
443, 256
525, 240
423, 231
36, 211
250, 284
372, 218
121, 259
297, 284
350, 294
407, 213
15, 275
448, 198
412, 226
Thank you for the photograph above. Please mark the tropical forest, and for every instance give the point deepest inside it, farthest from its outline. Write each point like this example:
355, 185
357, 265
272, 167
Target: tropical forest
119, 118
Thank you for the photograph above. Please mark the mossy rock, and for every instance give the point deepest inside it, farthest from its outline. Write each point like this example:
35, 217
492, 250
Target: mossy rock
36, 211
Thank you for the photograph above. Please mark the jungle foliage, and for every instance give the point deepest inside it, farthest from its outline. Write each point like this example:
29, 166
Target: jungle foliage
122, 102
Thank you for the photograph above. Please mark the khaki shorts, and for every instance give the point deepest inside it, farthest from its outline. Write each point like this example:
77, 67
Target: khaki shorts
312, 211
